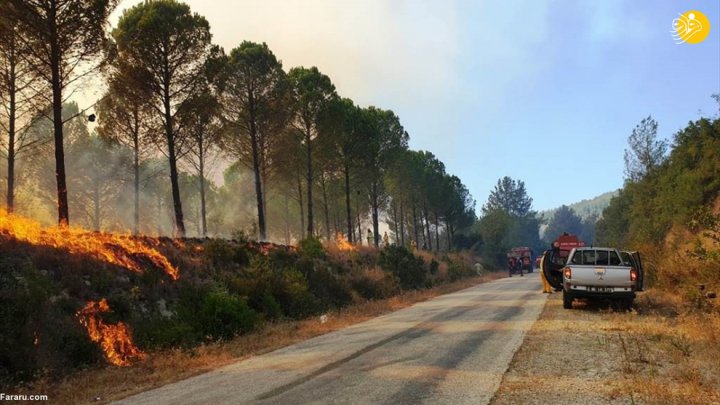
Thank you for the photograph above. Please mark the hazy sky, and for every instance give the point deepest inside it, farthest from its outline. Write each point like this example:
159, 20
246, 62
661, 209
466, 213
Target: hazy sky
546, 91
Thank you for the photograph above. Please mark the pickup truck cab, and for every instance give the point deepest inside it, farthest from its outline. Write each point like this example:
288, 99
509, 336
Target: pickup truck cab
599, 273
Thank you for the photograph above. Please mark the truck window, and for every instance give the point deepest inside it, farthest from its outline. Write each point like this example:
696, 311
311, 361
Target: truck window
626, 260
577, 258
614, 259
602, 258
588, 257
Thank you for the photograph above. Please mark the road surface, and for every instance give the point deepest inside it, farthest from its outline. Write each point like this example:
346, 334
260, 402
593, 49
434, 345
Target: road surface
453, 349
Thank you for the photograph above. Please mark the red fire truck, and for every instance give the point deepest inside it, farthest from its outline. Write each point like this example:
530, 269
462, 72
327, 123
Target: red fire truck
519, 260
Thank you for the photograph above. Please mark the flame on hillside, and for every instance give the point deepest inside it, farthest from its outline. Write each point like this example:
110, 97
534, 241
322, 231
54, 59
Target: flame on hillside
114, 340
121, 250
343, 243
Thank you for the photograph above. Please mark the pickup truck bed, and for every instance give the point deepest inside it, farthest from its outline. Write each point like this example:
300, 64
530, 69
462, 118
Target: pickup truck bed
598, 273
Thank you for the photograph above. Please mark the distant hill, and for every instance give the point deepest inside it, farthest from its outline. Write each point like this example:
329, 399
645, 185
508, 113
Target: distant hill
586, 208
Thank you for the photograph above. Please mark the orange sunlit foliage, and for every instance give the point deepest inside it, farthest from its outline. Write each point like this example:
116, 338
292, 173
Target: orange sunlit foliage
122, 250
343, 243
114, 340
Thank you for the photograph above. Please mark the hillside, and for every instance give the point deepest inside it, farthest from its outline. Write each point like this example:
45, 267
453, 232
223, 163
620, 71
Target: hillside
586, 208
71, 299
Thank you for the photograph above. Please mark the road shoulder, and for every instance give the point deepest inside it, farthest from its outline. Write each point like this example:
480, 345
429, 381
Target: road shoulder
568, 357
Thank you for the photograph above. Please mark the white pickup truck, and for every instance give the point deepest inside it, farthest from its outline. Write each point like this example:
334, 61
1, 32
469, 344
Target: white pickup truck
599, 273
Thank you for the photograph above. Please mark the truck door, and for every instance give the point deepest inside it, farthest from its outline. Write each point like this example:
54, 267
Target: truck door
552, 266
640, 270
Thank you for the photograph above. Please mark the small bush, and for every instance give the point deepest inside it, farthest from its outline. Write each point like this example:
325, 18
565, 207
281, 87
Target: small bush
372, 288
223, 254
407, 267
282, 259
223, 316
270, 307
457, 271
434, 266
161, 332
330, 289
312, 247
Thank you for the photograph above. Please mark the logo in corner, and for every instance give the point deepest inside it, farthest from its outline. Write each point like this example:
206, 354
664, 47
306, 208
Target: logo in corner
691, 27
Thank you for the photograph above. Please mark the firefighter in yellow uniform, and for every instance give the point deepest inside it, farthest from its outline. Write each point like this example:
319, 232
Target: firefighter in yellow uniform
547, 288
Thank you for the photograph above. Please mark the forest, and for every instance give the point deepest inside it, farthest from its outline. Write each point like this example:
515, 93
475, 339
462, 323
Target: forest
141, 224
668, 208
190, 140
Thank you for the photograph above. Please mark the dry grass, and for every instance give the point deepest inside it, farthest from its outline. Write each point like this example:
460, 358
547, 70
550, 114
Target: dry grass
672, 359
101, 385
664, 353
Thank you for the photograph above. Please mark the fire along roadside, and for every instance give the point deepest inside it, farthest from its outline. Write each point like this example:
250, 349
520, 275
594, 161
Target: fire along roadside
22, 397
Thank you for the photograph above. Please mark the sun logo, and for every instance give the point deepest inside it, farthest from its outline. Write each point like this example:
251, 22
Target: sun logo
691, 27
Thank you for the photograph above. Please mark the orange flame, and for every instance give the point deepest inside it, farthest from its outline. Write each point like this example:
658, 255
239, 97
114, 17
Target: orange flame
114, 340
343, 243
122, 250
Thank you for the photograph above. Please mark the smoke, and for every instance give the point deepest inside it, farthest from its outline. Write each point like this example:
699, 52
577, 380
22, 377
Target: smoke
100, 181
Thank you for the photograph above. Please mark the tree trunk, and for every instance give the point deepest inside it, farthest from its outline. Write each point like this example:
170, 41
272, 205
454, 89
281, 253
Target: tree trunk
11, 129
172, 159
11, 147
136, 172
159, 214
449, 236
203, 207
326, 209
402, 224
375, 220
256, 169
359, 222
308, 142
57, 88
415, 227
287, 220
395, 219
96, 204
437, 233
427, 225
347, 204
302, 211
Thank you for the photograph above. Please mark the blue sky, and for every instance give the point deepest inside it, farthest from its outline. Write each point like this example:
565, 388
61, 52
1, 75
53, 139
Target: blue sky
545, 91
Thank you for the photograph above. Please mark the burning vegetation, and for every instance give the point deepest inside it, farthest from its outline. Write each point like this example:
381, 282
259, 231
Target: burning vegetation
342, 243
122, 250
69, 304
115, 340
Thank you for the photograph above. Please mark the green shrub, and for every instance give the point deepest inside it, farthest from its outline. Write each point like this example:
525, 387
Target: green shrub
292, 293
457, 271
223, 254
407, 267
305, 265
223, 316
372, 289
329, 288
282, 259
157, 331
434, 267
312, 247
270, 307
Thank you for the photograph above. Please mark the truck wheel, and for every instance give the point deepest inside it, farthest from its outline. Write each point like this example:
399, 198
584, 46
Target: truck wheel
567, 300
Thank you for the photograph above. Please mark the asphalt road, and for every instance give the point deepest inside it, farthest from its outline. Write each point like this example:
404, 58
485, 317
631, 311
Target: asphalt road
453, 349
